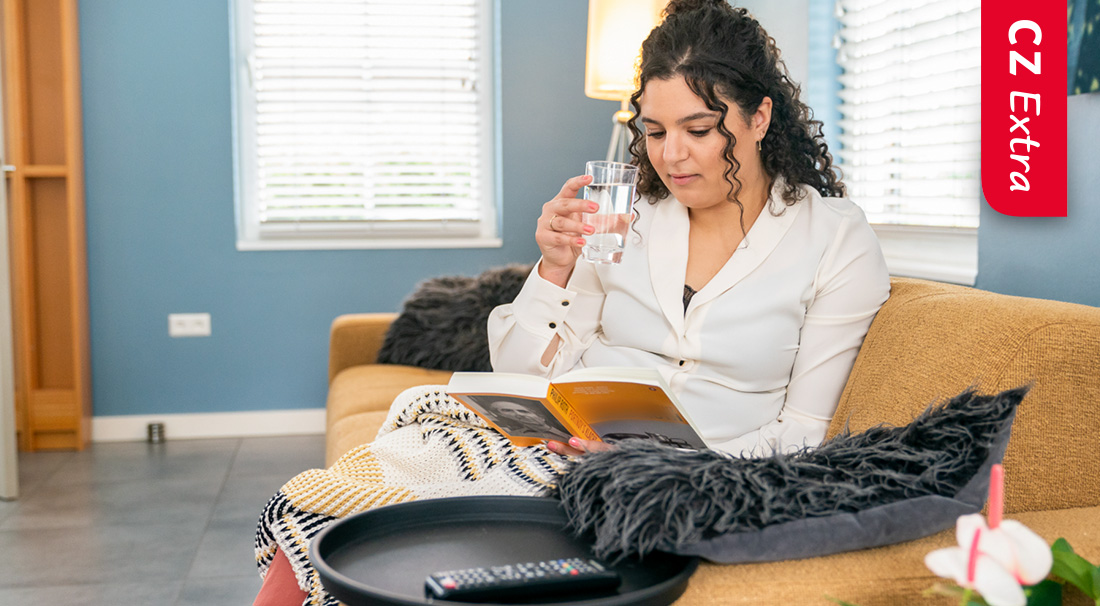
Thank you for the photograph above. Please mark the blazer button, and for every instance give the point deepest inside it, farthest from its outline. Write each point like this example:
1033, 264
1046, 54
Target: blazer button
565, 303
553, 325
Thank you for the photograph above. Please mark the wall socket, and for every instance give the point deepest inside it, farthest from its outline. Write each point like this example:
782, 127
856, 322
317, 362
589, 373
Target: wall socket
188, 325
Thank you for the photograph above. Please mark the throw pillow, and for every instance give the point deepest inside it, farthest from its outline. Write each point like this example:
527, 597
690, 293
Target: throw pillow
442, 324
882, 486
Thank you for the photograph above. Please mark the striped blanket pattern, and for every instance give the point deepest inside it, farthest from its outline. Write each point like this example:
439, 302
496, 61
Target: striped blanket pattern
430, 446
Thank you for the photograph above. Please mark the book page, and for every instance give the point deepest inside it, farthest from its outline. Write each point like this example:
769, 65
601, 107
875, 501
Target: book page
525, 421
516, 405
618, 409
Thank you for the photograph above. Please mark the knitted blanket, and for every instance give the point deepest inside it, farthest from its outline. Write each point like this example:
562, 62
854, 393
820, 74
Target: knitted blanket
429, 447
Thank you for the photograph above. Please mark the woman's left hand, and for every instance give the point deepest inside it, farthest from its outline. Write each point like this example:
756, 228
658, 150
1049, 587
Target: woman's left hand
577, 446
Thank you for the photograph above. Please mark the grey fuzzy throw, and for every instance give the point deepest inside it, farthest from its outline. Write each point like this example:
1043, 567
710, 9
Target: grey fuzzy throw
442, 324
880, 486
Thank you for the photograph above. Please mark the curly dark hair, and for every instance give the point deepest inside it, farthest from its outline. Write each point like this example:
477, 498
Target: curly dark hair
724, 53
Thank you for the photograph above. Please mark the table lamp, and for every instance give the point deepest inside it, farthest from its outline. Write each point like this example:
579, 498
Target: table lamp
616, 29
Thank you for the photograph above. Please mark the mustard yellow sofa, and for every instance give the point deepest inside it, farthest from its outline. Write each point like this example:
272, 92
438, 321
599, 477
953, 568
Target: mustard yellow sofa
930, 341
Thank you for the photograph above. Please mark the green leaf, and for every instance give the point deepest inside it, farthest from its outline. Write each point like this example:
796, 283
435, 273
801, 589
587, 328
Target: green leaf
1045, 593
1074, 569
838, 601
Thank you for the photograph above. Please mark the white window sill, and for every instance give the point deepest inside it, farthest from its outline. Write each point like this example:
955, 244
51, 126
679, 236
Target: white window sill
944, 254
365, 244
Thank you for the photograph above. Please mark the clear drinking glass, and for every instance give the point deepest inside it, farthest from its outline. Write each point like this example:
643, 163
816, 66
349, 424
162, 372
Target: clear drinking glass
612, 188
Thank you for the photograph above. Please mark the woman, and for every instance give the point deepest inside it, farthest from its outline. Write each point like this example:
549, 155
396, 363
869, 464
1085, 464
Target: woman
749, 283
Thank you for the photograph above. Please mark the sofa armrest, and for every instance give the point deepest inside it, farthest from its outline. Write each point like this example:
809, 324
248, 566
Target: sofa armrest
355, 339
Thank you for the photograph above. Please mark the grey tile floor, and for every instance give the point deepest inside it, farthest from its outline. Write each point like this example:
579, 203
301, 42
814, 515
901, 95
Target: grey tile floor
136, 523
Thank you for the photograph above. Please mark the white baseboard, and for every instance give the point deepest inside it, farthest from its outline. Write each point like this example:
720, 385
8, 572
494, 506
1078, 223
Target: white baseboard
132, 428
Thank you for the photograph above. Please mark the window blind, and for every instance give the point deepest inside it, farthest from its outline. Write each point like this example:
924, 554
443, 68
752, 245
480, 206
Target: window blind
910, 109
368, 116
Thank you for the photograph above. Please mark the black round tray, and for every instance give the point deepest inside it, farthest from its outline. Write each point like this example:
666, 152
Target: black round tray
382, 556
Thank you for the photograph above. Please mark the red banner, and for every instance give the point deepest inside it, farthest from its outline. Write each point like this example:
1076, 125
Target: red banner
1024, 107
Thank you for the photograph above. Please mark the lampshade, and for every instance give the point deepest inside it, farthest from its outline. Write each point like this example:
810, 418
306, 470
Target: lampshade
616, 29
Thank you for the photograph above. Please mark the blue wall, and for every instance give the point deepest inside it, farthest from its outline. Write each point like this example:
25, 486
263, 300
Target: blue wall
160, 208
1052, 258
822, 86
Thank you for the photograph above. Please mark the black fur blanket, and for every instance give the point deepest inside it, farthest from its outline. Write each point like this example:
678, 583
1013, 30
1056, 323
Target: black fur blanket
644, 497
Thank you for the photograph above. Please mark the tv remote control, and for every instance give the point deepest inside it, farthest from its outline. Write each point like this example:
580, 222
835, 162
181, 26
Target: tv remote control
502, 583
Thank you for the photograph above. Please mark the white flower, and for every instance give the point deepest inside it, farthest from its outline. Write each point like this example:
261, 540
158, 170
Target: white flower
994, 562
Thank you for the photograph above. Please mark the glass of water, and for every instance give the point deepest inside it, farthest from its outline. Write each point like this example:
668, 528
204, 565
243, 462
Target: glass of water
612, 187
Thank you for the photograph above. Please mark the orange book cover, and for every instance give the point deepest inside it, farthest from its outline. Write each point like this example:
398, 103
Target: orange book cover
606, 404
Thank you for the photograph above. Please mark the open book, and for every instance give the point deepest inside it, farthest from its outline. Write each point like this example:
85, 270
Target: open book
592, 403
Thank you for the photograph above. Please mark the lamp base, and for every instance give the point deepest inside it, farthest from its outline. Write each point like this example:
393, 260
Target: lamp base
617, 150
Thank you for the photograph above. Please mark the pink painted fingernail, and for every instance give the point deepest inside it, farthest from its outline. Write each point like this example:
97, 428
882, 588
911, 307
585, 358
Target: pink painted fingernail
575, 443
592, 206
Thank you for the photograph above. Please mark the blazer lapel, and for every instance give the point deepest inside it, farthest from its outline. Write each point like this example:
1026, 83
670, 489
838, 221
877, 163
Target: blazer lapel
667, 253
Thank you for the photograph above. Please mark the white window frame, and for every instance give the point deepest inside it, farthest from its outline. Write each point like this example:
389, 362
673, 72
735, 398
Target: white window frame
365, 234
944, 254
947, 254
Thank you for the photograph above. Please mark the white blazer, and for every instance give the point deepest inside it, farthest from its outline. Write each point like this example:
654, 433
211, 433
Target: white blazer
763, 351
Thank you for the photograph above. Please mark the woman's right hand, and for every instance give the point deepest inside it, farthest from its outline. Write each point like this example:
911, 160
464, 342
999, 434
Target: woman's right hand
559, 231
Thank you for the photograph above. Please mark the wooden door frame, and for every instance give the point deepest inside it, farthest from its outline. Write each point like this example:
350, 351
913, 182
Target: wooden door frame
48, 415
